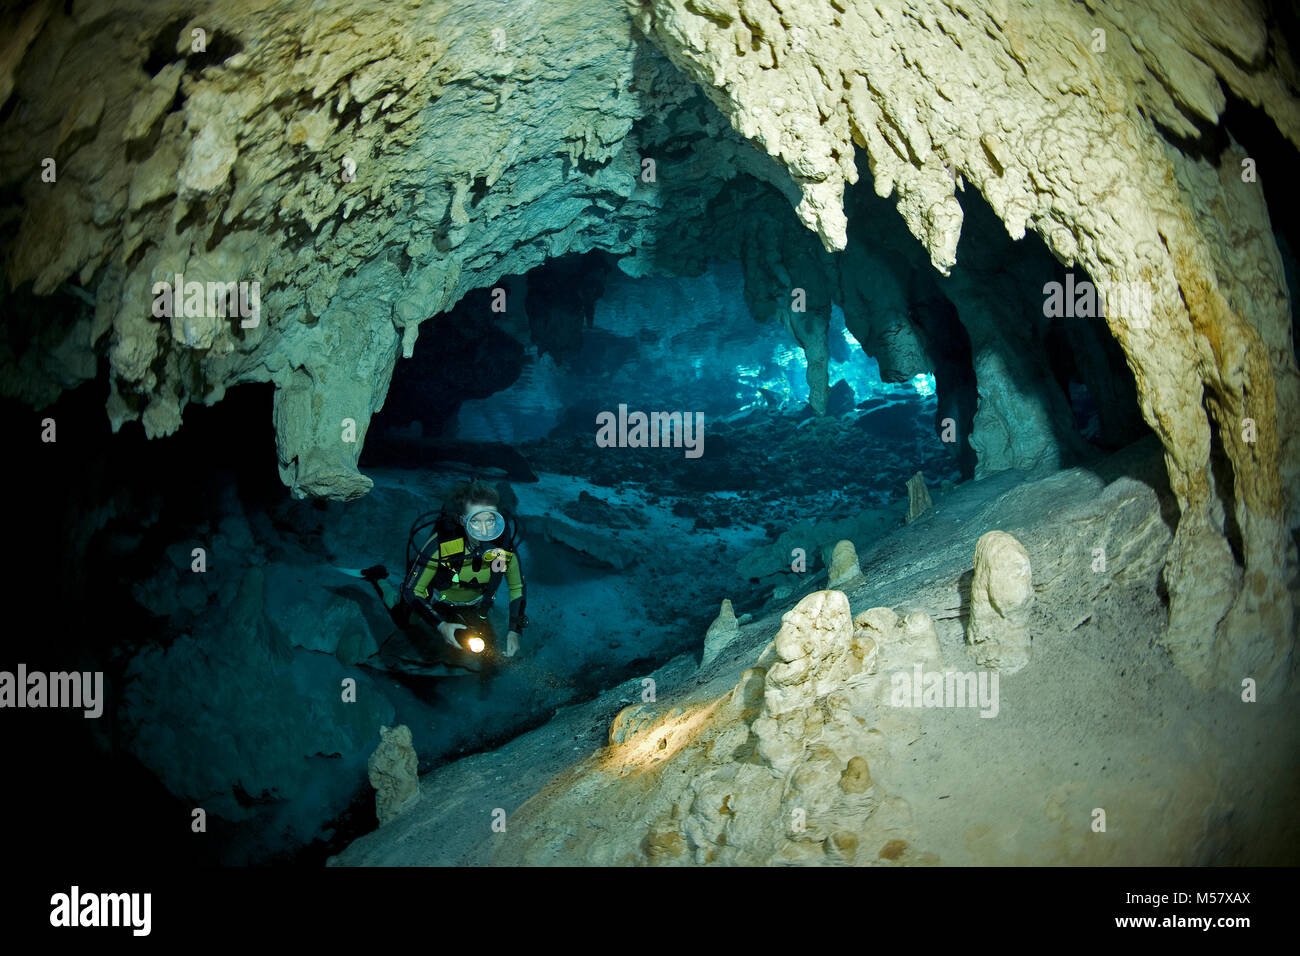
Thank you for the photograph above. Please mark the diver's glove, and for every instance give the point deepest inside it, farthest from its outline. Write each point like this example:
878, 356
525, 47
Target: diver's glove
448, 631
512, 644
376, 573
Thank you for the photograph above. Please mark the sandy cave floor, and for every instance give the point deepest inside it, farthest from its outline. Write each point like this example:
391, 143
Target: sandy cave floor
1099, 719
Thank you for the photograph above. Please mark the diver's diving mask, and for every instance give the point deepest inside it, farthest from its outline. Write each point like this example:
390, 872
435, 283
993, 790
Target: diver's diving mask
485, 525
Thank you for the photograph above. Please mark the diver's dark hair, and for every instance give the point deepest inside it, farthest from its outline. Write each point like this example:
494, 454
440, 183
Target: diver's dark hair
466, 492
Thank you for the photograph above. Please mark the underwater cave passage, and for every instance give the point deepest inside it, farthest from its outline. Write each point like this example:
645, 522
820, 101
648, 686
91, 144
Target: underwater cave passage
629, 543
702, 440
1028, 374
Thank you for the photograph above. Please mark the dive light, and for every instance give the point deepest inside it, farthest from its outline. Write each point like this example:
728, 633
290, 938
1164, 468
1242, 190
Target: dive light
475, 644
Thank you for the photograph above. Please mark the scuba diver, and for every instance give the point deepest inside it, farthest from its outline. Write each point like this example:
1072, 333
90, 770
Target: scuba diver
454, 577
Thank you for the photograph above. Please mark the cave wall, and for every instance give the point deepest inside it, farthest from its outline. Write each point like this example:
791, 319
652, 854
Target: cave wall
1066, 131
370, 165
345, 266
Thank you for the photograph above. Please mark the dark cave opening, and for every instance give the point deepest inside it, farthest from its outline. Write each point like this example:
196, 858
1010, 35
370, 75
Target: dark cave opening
218, 46
162, 49
949, 345
1220, 467
1025, 365
85, 545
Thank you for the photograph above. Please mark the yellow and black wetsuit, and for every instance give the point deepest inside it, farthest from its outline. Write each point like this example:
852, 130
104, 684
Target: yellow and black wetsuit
455, 579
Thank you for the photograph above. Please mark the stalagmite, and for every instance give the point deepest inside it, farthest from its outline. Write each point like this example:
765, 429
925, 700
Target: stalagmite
722, 632
844, 564
918, 497
393, 773
1001, 594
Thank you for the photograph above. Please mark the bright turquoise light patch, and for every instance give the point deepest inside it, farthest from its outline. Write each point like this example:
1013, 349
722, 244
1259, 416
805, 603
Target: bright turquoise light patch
781, 376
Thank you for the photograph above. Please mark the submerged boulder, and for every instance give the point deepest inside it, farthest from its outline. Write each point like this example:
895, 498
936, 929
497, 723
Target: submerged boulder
234, 719
792, 765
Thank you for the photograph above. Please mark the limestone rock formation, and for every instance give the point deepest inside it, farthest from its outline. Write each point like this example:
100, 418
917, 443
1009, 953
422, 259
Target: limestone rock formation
369, 178
682, 780
721, 632
998, 98
1001, 594
844, 564
792, 765
393, 772
918, 497
811, 655
906, 641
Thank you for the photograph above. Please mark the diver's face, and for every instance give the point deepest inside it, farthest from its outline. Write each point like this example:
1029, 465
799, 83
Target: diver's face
479, 519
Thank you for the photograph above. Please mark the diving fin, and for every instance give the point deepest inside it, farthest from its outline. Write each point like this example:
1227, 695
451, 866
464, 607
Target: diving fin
374, 573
